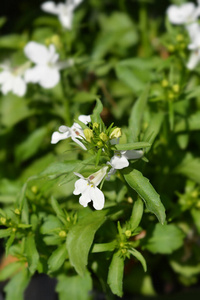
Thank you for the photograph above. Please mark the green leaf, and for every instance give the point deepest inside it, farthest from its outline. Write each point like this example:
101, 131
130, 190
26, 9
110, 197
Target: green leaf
95, 117
57, 168
57, 258
196, 218
189, 123
74, 287
84, 97
136, 115
13, 41
10, 269
164, 239
80, 238
189, 167
59, 212
30, 146
104, 247
5, 232
139, 256
132, 146
146, 191
137, 213
9, 242
153, 128
31, 253
16, 286
115, 274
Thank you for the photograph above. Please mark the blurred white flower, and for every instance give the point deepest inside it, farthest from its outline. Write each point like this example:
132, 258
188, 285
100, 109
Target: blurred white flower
186, 14
88, 189
120, 159
64, 11
46, 71
11, 80
195, 55
75, 132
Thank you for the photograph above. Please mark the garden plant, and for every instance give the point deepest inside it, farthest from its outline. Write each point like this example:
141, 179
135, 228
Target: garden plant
99, 148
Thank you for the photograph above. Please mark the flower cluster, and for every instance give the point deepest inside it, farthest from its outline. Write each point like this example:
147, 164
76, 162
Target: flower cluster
187, 14
97, 139
45, 72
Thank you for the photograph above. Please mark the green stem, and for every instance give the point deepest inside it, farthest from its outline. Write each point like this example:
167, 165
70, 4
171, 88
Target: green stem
66, 101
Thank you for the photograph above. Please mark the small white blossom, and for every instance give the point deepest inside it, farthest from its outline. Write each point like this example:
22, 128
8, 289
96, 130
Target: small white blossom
75, 132
88, 189
195, 55
120, 158
186, 14
11, 80
64, 11
47, 65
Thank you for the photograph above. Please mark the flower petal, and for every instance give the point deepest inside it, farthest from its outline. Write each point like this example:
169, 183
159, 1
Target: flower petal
85, 119
49, 77
97, 197
19, 86
181, 14
133, 154
80, 186
50, 7
77, 141
66, 19
119, 161
193, 60
37, 53
57, 136
85, 198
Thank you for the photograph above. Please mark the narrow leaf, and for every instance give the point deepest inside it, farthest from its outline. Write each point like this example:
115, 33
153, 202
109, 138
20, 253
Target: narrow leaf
139, 256
137, 114
95, 117
31, 253
146, 191
57, 258
115, 274
16, 286
132, 146
137, 214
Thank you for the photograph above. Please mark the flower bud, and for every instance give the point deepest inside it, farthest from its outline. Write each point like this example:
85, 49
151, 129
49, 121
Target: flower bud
3, 220
103, 137
88, 134
128, 233
62, 234
164, 83
176, 88
116, 133
17, 211
95, 125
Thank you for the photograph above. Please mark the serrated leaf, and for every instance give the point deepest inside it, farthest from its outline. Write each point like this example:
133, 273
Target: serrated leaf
132, 146
139, 256
115, 274
136, 115
164, 239
146, 191
74, 287
57, 258
16, 286
80, 238
31, 253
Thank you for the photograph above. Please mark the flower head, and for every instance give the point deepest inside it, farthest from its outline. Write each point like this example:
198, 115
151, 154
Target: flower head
11, 80
183, 14
120, 158
47, 65
88, 189
194, 46
75, 132
64, 11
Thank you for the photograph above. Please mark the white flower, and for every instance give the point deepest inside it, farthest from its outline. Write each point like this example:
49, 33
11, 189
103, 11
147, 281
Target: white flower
183, 14
64, 11
46, 71
88, 189
75, 132
186, 14
195, 55
11, 80
120, 159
